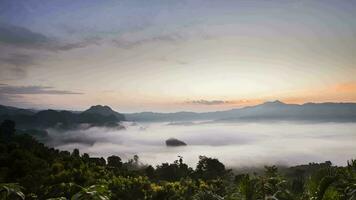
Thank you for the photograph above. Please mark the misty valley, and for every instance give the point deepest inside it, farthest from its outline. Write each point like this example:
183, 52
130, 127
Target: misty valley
177, 100
280, 151
235, 144
244, 137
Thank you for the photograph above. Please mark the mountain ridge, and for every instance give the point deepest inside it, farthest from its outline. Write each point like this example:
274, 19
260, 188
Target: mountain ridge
63, 119
270, 110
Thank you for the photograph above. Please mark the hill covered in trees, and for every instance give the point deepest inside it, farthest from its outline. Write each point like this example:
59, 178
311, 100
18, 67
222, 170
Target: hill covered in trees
29, 119
30, 170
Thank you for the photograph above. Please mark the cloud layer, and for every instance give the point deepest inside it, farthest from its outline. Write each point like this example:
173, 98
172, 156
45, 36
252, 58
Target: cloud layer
14, 95
22, 37
208, 102
235, 144
7, 89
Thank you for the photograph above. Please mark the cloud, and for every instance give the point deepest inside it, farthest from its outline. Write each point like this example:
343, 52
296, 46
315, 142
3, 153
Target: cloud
15, 35
238, 103
207, 102
15, 64
128, 43
16, 95
18, 59
23, 49
22, 37
258, 144
21, 90
75, 45
345, 87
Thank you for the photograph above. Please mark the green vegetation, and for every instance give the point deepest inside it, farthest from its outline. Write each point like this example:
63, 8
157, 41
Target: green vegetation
30, 170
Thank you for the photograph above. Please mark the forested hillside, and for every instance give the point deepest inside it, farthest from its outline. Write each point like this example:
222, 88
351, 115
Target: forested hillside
30, 170
94, 116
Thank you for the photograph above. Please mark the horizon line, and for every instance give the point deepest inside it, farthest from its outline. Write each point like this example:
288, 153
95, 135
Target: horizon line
182, 111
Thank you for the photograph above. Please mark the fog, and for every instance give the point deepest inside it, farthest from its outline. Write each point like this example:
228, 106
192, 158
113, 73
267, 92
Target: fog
235, 144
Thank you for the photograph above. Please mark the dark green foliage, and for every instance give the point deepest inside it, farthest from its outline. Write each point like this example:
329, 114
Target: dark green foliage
173, 171
114, 162
30, 170
94, 192
11, 191
210, 168
202, 195
7, 129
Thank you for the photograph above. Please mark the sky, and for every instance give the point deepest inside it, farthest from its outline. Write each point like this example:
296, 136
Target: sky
166, 56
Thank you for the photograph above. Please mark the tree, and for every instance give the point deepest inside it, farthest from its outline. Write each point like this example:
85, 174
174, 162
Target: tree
114, 161
173, 171
76, 153
130, 188
210, 168
247, 186
150, 172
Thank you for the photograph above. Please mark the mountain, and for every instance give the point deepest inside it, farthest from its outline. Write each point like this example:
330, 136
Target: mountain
105, 111
8, 110
153, 116
275, 110
94, 116
104, 116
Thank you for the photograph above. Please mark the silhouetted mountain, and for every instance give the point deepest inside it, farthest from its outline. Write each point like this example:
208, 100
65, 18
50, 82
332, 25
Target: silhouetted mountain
63, 119
104, 110
276, 110
8, 110
104, 116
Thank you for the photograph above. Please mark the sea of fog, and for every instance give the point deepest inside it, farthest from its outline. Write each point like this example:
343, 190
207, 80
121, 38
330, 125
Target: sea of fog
235, 144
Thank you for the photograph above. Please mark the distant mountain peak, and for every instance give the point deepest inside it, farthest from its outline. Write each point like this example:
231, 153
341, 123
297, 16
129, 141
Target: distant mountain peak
100, 108
105, 111
274, 103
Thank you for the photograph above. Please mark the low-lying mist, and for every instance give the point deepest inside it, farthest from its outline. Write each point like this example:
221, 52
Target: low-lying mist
235, 144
